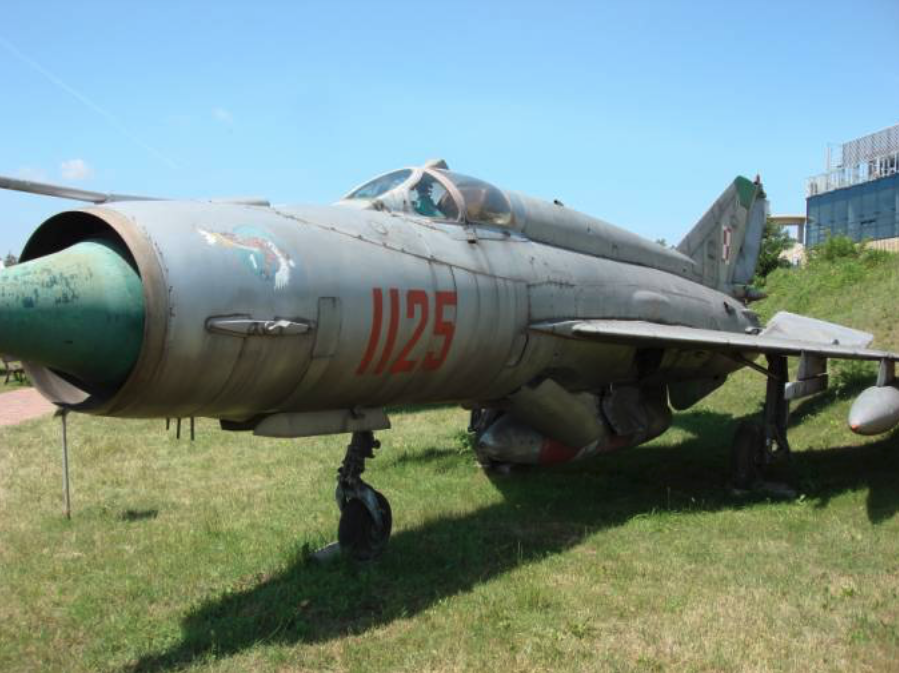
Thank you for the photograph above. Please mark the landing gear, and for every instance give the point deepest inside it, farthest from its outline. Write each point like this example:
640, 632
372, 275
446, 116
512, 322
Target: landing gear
777, 409
756, 446
365, 516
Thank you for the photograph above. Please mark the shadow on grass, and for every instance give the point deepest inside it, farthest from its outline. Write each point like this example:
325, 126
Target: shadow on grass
544, 512
432, 454
131, 515
412, 409
814, 405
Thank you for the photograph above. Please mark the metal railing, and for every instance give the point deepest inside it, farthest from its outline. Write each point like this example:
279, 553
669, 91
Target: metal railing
848, 176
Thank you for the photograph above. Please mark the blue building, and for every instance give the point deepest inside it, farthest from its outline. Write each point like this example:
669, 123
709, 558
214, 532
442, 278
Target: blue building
858, 196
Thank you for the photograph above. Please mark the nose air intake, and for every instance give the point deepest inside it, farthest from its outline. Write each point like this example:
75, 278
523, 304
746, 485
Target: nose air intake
79, 312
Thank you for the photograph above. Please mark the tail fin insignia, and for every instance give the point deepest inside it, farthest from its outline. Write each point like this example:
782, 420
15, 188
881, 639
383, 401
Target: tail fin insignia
725, 243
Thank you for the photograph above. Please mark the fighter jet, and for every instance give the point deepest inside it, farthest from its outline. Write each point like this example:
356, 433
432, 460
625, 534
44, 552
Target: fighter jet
566, 336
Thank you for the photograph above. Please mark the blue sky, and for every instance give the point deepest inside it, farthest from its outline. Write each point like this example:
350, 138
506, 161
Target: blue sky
637, 112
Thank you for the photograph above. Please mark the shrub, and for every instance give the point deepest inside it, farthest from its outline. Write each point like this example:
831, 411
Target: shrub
834, 248
775, 240
872, 256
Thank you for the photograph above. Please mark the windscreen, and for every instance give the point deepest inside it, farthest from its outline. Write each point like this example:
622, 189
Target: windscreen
381, 185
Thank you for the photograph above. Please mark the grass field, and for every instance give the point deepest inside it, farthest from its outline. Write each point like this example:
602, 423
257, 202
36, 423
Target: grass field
196, 555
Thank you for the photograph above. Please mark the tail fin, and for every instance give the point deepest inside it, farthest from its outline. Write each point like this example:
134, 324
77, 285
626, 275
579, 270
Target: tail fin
726, 241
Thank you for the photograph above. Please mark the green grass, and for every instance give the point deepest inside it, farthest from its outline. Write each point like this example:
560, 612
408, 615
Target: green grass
195, 555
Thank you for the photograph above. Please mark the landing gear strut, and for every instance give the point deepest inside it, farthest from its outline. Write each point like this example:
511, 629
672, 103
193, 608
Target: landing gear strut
365, 516
777, 409
756, 446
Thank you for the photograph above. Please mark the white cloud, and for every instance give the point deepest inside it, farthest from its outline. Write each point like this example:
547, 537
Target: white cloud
222, 115
76, 169
31, 173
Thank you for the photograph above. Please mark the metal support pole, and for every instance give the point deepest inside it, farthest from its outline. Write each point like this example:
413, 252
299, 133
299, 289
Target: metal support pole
192, 435
886, 375
63, 414
178, 429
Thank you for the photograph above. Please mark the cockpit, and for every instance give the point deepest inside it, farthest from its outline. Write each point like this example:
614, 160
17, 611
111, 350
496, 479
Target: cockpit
435, 192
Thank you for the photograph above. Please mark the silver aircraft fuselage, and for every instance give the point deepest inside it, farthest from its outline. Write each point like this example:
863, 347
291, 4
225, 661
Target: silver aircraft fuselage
398, 309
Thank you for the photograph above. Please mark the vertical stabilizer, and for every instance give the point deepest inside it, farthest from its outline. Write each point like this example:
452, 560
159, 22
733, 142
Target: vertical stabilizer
726, 241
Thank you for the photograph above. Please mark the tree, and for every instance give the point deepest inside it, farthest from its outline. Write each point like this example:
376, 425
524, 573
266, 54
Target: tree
775, 240
10, 260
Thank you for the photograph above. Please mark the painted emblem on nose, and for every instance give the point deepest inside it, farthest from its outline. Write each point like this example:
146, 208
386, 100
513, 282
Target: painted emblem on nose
257, 251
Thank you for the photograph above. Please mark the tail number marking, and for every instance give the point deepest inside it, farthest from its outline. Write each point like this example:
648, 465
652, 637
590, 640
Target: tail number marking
418, 304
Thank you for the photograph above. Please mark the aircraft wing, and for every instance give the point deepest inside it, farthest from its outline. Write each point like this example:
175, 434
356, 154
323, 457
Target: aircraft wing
817, 338
62, 192
47, 189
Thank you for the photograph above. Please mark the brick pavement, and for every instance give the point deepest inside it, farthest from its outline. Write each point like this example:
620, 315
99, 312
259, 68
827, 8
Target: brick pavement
21, 405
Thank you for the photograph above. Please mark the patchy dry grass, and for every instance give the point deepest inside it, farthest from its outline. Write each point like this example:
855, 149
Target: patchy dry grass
195, 555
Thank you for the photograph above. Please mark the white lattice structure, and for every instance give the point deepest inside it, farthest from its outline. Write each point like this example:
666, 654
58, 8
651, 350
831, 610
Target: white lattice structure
870, 157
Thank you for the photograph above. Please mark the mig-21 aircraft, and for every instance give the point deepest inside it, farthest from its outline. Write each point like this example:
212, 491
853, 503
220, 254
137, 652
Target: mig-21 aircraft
566, 336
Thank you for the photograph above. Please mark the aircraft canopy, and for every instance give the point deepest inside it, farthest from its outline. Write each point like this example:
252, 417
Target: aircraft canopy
438, 194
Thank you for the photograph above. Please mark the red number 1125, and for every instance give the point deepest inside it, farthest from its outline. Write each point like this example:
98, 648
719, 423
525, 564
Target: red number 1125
418, 305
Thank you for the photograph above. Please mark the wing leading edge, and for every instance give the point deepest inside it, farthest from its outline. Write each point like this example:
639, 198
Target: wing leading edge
830, 341
875, 411
99, 198
62, 192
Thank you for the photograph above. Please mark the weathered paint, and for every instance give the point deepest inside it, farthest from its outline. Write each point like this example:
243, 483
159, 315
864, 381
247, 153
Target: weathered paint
629, 417
400, 308
79, 311
746, 191
298, 310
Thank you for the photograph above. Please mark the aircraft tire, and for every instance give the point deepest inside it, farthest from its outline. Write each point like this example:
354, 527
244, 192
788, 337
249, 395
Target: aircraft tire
358, 535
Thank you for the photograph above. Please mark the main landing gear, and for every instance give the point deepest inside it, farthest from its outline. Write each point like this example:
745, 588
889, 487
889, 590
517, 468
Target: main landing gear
756, 446
365, 516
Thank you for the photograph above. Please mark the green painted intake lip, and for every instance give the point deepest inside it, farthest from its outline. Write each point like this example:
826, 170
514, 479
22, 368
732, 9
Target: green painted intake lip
79, 311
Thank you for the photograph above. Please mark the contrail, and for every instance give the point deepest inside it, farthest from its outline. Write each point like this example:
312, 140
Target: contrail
112, 119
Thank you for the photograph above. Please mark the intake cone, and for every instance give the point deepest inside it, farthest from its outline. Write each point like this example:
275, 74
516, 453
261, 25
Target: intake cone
79, 312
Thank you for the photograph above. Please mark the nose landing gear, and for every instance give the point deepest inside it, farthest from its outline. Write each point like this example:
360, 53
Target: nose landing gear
365, 516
